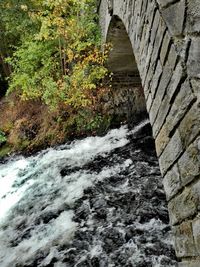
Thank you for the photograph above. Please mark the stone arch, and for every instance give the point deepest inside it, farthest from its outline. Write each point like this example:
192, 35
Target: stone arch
165, 38
127, 89
122, 50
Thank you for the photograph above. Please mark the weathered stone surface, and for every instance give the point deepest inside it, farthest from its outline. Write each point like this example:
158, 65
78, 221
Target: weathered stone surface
196, 88
180, 105
146, 77
172, 57
184, 243
154, 27
192, 263
144, 49
189, 163
174, 17
175, 80
154, 109
189, 127
183, 205
196, 233
139, 21
193, 17
158, 40
181, 45
162, 140
164, 3
193, 63
171, 182
156, 78
164, 48
162, 114
164, 81
171, 152
149, 101
196, 191
166, 102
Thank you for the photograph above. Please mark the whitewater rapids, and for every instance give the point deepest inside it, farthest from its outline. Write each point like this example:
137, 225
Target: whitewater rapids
95, 202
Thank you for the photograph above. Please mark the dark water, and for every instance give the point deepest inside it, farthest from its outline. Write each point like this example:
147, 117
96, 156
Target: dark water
98, 202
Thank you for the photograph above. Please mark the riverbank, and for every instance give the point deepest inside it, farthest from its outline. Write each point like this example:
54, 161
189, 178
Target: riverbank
30, 126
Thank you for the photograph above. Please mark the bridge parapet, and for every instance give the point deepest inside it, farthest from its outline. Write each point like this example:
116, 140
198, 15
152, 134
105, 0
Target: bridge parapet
165, 39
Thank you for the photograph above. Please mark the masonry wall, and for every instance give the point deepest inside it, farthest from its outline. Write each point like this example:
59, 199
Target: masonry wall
165, 36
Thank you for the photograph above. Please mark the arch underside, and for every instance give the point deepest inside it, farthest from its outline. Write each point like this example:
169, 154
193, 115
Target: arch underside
127, 90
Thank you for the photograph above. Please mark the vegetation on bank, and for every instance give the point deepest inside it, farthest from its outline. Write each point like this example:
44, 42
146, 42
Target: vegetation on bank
51, 56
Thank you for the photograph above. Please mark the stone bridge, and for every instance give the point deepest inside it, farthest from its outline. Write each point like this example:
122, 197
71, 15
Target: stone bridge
156, 44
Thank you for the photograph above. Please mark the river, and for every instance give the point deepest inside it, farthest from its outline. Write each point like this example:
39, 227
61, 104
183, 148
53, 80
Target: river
95, 202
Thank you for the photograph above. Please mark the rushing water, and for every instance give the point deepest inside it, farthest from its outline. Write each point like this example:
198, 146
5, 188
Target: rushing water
96, 202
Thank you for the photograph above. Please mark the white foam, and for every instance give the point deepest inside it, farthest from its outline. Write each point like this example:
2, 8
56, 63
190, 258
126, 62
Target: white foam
9, 195
58, 231
31, 187
96, 251
49, 163
32, 182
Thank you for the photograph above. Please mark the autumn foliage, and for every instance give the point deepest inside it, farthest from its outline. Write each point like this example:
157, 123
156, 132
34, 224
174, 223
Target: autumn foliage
51, 52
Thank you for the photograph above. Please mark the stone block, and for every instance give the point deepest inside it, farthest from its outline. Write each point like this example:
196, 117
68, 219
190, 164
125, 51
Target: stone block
156, 78
189, 163
175, 80
174, 17
171, 152
196, 233
163, 3
179, 107
161, 140
149, 102
166, 102
162, 113
143, 42
193, 63
148, 81
184, 242
164, 81
145, 75
192, 263
144, 7
189, 127
193, 17
183, 206
196, 191
160, 92
171, 182
154, 109
181, 44
148, 26
196, 88
154, 27
172, 57
140, 21
158, 40
164, 48
137, 10
183, 100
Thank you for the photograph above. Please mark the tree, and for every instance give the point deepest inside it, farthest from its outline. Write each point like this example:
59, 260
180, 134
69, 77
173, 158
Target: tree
54, 51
